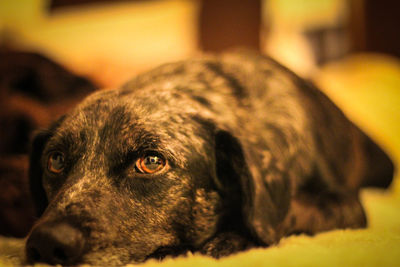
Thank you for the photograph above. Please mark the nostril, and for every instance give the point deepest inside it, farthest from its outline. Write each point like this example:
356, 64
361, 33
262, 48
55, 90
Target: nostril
60, 255
55, 244
33, 254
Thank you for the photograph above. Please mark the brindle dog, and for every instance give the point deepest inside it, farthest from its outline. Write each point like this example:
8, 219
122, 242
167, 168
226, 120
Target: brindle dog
213, 155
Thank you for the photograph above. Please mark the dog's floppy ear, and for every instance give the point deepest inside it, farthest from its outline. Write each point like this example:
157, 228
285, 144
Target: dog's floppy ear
237, 175
36, 172
35, 167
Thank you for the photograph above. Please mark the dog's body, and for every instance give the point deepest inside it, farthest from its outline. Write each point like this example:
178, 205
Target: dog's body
244, 153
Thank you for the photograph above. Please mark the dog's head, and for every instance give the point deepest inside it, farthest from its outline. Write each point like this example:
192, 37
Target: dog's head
130, 175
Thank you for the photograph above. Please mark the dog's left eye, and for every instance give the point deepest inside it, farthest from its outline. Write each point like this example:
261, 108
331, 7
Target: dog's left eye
56, 162
150, 164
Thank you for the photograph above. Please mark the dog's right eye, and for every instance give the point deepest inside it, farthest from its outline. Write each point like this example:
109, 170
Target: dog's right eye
150, 164
56, 162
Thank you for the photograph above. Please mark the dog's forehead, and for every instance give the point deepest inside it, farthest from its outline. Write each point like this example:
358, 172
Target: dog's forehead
108, 121
110, 108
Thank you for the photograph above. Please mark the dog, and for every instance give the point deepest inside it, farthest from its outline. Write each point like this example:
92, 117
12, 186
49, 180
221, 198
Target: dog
216, 155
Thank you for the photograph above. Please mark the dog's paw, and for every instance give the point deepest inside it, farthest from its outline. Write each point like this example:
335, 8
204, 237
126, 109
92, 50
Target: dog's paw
225, 244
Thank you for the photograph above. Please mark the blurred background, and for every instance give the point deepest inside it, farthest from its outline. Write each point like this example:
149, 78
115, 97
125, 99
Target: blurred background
53, 52
108, 40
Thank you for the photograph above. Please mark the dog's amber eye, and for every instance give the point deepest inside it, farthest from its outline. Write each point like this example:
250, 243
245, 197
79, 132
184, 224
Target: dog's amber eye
56, 162
150, 164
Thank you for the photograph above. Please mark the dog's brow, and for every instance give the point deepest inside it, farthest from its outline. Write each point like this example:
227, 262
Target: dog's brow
61, 139
141, 141
67, 140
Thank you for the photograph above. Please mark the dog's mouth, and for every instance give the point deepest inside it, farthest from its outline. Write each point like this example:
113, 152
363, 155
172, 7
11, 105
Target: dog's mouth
170, 251
64, 244
44, 248
117, 256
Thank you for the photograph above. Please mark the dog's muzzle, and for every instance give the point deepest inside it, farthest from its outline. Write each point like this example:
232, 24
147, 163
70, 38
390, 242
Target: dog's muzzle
55, 243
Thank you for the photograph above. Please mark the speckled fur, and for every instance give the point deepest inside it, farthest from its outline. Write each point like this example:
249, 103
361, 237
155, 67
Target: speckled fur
254, 153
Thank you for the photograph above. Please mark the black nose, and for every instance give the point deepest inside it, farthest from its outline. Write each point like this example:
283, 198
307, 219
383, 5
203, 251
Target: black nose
55, 243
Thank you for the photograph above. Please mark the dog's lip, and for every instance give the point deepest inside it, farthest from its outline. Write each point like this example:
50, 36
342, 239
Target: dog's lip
96, 256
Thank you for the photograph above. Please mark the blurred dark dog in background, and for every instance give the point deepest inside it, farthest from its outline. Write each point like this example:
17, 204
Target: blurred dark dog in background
216, 154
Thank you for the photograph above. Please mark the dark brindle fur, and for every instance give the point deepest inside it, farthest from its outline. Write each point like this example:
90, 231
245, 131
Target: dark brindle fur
254, 153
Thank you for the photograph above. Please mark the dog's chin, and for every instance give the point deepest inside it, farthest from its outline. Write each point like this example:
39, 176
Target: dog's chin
122, 256
112, 257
